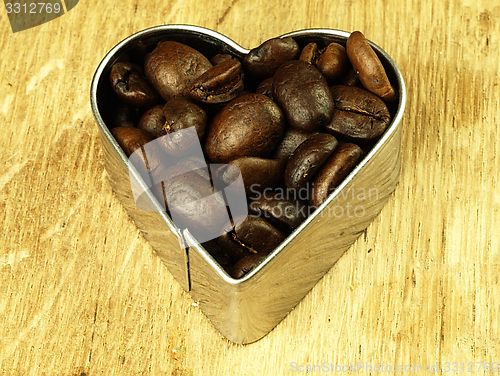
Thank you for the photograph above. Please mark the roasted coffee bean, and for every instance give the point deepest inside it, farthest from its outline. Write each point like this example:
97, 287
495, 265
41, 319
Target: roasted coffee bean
333, 62
246, 264
257, 173
228, 242
153, 120
195, 164
266, 87
130, 85
218, 253
132, 139
262, 62
350, 78
359, 115
308, 158
180, 114
290, 141
219, 84
251, 125
368, 67
284, 213
123, 115
192, 201
172, 68
309, 53
303, 94
334, 171
220, 58
257, 234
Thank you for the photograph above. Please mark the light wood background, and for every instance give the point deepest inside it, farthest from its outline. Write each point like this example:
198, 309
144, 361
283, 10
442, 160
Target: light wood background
82, 292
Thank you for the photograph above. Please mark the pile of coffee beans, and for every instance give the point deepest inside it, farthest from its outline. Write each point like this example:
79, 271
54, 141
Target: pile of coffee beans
290, 122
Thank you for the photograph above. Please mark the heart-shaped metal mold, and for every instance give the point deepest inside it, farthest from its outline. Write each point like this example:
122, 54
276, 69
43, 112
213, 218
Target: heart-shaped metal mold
246, 309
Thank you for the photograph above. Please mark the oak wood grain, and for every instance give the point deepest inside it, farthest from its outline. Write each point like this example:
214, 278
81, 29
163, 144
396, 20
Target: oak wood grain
81, 290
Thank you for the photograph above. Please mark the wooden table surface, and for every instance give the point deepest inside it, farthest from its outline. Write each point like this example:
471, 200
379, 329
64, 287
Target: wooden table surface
82, 292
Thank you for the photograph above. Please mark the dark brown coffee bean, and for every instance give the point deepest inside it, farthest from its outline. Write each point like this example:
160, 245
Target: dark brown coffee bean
195, 164
334, 171
153, 120
193, 203
333, 62
229, 243
251, 125
172, 68
246, 264
130, 85
219, 84
263, 61
308, 158
257, 173
217, 252
285, 214
290, 141
132, 139
368, 67
257, 234
303, 94
220, 58
266, 87
350, 78
123, 115
180, 114
309, 53
358, 115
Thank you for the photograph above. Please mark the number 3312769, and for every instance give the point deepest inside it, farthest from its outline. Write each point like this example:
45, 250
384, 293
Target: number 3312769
33, 8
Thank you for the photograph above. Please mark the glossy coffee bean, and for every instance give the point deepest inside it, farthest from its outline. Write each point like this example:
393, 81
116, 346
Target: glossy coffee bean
308, 158
257, 173
359, 115
130, 85
286, 214
220, 58
246, 264
334, 171
153, 120
368, 67
132, 139
333, 62
218, 253
309, 53
262, 62
266, 87
249, 126
172, 68
181, 113
222, 83
290, 141
195, 164
231, 246
350, 78
303, 94
192, 201
257, 234
123, 115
